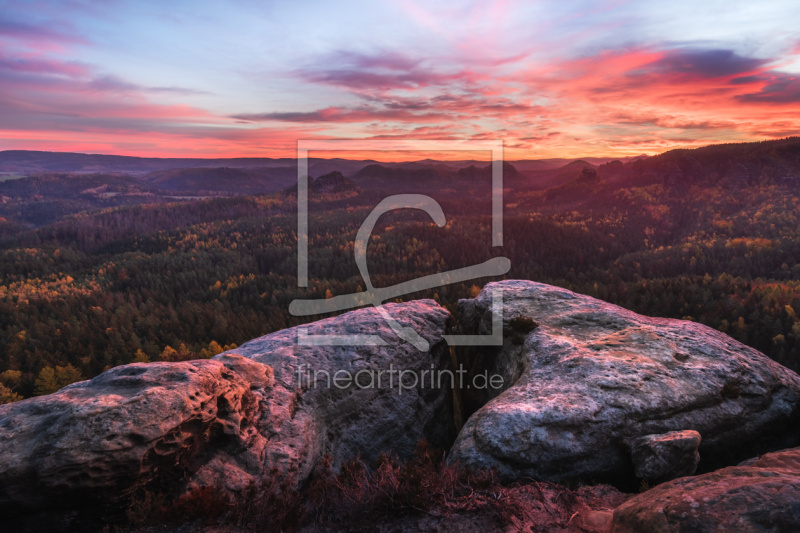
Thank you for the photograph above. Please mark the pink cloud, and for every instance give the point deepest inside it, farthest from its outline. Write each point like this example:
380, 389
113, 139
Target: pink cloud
36, 64
53, 36
343, 115
53, 31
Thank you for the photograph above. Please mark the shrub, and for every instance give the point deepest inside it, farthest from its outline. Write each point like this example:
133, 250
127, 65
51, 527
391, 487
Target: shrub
519, 327
391, 489
523, 324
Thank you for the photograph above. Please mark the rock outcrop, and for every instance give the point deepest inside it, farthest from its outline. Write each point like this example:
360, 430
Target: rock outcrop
592, 377
231, 420
763, 496
332, 182
589, 391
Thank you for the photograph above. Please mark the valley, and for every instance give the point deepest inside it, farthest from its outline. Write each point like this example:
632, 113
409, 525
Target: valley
99, 270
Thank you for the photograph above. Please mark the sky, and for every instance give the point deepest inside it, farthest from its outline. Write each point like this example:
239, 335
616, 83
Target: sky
564, 78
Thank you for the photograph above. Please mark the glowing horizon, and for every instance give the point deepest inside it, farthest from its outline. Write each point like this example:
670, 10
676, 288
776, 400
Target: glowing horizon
248, 79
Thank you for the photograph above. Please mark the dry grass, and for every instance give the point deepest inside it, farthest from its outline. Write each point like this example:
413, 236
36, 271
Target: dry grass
358, 498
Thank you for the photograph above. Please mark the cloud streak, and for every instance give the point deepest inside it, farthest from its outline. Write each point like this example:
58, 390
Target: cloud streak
33, 34
776, 88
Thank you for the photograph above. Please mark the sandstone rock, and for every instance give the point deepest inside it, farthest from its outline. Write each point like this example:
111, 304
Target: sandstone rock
658, 458
593, 376
356, 420
228, 421
762, 497
132, 425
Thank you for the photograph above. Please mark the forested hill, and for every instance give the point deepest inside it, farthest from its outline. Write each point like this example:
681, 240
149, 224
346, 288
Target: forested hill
728, 165
687, 234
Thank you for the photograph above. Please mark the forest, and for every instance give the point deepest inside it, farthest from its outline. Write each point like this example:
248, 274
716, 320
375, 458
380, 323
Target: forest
711, 235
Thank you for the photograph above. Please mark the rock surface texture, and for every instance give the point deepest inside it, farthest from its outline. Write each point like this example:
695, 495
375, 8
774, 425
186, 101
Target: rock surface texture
227, 421
761, 497
125, 428
592, 377
659, 458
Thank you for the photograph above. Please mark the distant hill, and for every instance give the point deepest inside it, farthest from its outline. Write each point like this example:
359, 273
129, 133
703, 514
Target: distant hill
320, 167
384, 175
28, 161
438, 175
23, 162
225, 180
555, 177
527, 165
586, 183
332, 182
474, 172
63, 185
47, 186
718, 167
45, 198
729, 165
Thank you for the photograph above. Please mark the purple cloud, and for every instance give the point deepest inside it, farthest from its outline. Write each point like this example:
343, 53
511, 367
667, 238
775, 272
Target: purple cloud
107, 83
704, 64
340, 114
34, 33
47, 67
381, 71
780, 89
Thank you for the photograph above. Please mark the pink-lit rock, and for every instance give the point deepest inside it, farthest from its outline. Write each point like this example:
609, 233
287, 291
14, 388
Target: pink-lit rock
593, 376
761, 497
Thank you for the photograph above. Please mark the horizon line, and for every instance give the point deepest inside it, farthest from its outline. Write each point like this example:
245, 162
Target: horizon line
421, 155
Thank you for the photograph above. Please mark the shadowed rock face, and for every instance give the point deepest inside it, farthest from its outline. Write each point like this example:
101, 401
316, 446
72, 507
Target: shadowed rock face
763, 496
227, 421
593, 377
667, 456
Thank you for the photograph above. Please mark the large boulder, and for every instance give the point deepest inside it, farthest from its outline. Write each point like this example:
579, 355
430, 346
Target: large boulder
131, 426
584, 378
232, 420
762, 496
365, 411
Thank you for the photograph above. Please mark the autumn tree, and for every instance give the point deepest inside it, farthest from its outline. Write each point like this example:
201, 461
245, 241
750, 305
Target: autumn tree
52, 379
7, 395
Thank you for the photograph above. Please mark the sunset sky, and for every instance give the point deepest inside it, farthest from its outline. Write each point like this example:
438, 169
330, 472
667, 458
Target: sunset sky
249, 78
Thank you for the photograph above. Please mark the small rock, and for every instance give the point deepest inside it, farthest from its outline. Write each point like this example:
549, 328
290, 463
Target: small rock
659, 458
